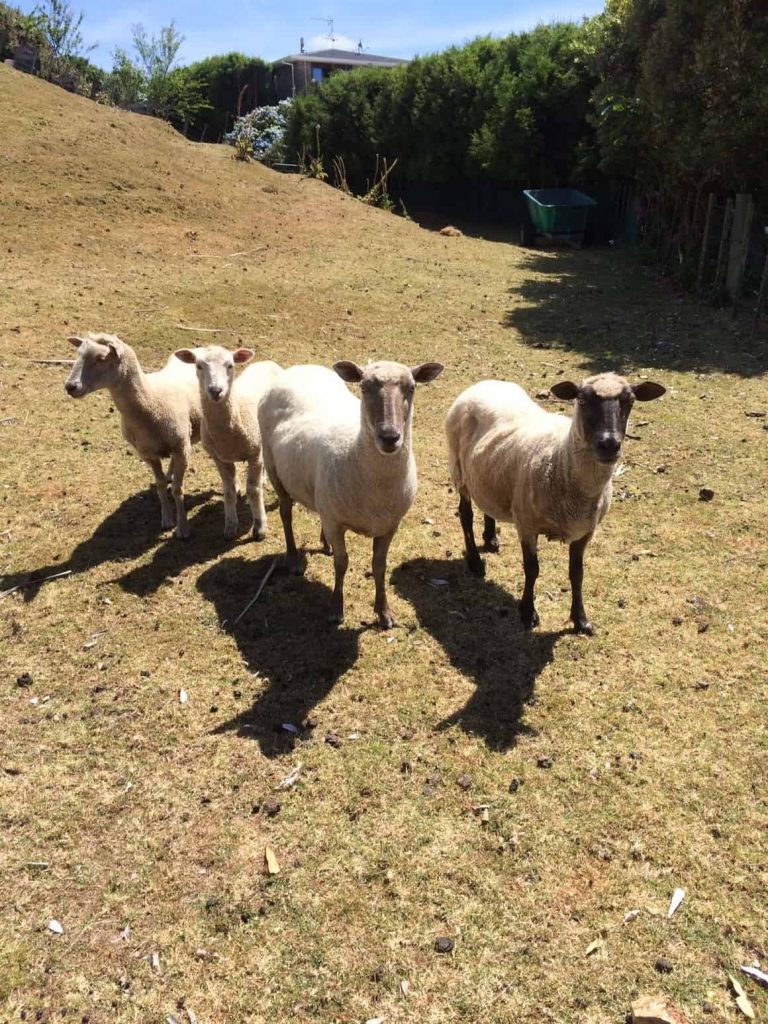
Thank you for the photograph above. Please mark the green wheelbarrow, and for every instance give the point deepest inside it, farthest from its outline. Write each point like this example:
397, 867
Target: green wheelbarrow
555, 213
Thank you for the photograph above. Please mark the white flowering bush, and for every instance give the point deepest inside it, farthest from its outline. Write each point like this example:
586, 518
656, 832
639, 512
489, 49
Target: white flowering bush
262, 131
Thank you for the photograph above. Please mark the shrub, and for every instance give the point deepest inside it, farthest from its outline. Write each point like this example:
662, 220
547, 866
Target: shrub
262, 131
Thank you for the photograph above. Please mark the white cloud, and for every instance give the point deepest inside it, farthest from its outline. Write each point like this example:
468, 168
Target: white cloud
322, 42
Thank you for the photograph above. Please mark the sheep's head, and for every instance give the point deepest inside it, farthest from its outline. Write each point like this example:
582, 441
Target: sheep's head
215, 368
603, 404
387, 397
98, 363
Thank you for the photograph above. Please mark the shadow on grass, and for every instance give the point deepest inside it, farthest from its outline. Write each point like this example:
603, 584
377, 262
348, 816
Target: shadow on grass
125, 535
286, 639
605, 304
477, 623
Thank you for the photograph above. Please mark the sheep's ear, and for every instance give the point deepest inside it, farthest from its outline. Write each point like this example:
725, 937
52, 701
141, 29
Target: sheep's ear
647, 390
74, 340
186, 355
242, 355
348, 371
426, 372
116, 347
565, 389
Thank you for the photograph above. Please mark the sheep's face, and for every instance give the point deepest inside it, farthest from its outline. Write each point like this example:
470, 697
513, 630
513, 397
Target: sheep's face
603, 404
98, 364
215, 368
387, 398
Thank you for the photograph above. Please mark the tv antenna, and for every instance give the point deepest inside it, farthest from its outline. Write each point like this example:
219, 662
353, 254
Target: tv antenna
329, 22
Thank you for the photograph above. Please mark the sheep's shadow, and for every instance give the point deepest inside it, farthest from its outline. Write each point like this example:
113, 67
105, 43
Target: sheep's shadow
124, 536
478, 625
285, 639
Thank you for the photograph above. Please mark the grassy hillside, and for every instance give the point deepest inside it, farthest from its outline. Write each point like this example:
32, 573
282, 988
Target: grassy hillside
613, 769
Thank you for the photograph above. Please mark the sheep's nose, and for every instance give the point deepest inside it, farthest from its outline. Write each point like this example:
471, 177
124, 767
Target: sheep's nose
70, 387
215, 392
389, 437
609, 447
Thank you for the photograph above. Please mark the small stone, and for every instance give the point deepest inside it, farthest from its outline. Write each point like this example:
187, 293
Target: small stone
707, 1007
703, 627
621, 603
542, 761
271, 806
464, 782
514, 785
544, 393
310, 723
444, 944
664, 966
706, 494
25, 679
677, 620
333, 739
145, 673
701, 684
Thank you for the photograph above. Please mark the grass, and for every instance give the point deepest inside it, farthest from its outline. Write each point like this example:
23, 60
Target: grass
150, 813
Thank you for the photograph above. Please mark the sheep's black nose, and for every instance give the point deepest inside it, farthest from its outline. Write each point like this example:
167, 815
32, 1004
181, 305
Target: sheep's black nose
215, 391
389, 438
70, 387
608, 447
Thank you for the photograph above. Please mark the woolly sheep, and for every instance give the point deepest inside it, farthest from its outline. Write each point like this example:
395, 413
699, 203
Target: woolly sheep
349, 460
159, 412
543, 472
230, 428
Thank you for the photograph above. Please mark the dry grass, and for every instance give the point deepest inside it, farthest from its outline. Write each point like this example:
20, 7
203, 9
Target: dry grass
142, 808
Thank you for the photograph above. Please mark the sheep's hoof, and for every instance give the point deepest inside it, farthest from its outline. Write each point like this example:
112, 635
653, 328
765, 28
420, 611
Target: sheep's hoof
167, 522
386, 620
297, 565
326, 550
182, 532
476, 566
491, 544
584, 628
336, 618
230, 532
259, 533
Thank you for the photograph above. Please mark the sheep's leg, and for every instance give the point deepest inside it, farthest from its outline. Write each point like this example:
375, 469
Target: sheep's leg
161, 483
227, 472
475, 563
490, 534
180, 460
576, 575
528, 612
381, 605
326, 547
254, 489
296, 564
340, 564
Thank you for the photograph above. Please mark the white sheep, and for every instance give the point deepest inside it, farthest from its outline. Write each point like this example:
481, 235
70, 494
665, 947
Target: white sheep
543, 472
230, 428
349, 460
159, 412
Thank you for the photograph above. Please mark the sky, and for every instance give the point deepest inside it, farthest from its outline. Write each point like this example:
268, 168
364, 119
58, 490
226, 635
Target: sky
263, 28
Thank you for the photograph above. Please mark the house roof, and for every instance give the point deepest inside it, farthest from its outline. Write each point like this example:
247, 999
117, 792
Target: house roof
345, 57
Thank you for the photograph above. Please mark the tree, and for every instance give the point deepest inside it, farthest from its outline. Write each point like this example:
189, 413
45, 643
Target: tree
157, 55
61, 29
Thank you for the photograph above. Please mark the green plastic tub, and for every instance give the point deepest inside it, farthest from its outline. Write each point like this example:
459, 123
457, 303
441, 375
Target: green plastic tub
559, 212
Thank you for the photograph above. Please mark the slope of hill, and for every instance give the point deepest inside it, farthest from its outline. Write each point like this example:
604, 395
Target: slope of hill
520, 794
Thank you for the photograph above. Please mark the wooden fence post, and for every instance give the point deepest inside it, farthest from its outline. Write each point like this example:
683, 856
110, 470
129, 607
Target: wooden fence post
737, 257
724, 236
705, 241
761, 296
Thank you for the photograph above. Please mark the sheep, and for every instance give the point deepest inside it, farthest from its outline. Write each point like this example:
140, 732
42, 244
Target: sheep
348, 460
543, 472
230, 428
159, 412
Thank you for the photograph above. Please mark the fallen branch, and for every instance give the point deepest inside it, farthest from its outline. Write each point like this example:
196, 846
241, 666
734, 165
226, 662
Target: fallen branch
35, 582
256, 596
205, 330
225, 255
53, 362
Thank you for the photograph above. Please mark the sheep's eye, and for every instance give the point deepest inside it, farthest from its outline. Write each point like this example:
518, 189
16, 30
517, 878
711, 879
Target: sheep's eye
230, 366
